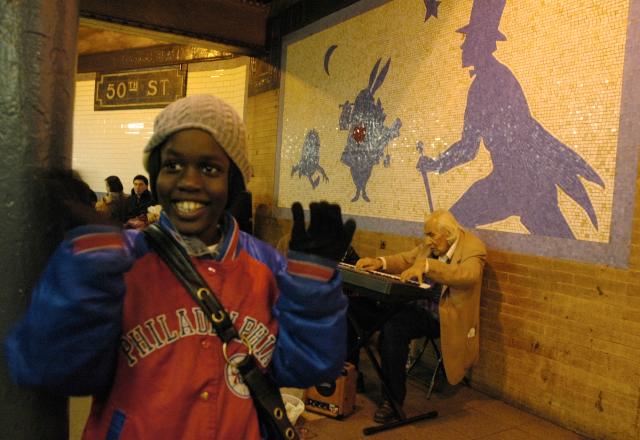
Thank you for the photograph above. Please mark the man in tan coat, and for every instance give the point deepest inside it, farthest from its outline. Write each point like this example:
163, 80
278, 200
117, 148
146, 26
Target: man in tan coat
453, 258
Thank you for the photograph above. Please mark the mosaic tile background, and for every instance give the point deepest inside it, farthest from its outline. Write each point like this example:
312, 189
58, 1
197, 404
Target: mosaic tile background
567, 57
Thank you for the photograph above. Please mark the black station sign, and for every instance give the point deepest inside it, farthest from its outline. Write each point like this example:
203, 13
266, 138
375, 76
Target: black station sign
140, 89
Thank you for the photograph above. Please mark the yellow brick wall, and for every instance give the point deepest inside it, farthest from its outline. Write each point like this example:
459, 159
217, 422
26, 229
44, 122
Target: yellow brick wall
558, 338
562, 339
262, 124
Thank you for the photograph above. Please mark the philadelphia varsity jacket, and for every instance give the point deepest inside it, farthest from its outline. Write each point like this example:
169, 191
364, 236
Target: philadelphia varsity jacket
109, 319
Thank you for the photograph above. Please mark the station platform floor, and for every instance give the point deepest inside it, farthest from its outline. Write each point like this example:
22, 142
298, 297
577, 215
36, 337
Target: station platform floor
463, 414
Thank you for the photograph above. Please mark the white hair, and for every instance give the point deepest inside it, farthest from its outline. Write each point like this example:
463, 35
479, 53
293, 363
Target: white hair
446, 223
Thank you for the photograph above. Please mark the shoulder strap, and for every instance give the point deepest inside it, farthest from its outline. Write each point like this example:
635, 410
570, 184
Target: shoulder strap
178, 261
264, 390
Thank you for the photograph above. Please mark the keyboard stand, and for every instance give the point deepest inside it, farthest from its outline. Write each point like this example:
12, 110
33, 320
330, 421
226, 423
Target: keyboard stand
362, 342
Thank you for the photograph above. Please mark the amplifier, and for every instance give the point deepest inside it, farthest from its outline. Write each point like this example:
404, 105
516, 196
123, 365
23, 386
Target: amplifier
334, 399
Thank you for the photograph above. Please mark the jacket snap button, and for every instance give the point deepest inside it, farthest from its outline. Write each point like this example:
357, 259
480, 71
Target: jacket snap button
204, 395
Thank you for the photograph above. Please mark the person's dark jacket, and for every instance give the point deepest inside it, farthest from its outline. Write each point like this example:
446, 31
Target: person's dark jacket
114, 206
139, 204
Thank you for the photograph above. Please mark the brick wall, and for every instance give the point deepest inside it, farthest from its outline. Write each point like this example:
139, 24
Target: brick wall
562, 339
262, 124
558, 338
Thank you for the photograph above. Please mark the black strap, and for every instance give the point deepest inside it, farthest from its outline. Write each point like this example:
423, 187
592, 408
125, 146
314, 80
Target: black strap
178, 261
264, 390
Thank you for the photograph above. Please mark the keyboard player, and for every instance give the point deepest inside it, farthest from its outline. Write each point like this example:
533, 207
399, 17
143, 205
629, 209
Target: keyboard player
453, 258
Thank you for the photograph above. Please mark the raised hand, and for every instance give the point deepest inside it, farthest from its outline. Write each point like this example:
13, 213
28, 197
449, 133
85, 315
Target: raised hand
327, 236
427, 164
72, 201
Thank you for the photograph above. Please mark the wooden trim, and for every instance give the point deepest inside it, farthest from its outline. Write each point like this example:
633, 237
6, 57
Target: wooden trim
142, 58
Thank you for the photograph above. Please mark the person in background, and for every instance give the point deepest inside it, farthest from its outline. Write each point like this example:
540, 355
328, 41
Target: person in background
453, 260
108, 318
114, 205
140, 198
139, 202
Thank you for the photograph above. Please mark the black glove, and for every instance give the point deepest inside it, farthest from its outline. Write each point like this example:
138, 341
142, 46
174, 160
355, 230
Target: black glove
326, 236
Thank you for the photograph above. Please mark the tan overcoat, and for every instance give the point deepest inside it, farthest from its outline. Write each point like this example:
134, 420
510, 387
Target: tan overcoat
459, 304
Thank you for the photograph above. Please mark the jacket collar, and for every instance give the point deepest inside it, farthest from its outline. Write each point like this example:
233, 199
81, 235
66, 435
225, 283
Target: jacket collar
225, 250
457, 253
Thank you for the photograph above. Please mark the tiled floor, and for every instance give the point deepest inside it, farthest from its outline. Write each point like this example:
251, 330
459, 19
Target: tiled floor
463, 414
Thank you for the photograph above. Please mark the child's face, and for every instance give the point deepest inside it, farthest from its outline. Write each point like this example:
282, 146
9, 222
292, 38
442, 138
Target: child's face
192, 184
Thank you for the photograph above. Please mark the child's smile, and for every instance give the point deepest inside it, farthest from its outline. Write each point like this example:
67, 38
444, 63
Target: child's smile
192, 184
188, 208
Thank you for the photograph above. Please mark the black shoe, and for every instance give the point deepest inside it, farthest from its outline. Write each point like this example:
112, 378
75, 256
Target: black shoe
360, 383
385, 413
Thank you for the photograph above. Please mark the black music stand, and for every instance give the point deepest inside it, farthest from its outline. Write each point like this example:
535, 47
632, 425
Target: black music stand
362, 342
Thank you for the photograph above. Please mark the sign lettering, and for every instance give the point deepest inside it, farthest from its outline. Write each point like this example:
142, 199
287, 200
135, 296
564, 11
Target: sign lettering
139, 89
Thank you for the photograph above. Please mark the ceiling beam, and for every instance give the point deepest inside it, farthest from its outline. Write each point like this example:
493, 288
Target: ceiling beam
145, 57
235, 26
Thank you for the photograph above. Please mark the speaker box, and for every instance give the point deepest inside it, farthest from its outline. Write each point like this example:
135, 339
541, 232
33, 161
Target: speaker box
334, 399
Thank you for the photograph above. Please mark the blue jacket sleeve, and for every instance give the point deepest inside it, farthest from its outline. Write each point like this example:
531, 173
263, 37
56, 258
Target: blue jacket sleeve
67, 342
312, 324
312, 316
311, 313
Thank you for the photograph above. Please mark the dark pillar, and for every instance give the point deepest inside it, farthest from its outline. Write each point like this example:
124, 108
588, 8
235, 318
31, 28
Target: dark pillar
37, 84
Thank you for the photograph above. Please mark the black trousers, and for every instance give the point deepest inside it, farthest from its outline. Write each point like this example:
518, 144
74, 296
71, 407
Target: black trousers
367, 314
409, 322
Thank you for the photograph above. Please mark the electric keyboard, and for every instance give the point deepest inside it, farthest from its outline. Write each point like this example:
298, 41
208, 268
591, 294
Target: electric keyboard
383, 286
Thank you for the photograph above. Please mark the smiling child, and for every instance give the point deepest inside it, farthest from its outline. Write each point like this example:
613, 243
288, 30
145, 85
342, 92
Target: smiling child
109, 319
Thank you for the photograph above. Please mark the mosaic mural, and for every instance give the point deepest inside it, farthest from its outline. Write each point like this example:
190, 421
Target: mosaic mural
504, 112
368, 137
528, 162
309, 165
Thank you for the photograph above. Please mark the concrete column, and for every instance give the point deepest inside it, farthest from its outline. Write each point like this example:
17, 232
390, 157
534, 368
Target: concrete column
37, 85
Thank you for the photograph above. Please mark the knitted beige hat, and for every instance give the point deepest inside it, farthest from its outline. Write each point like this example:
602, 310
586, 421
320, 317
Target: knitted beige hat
207, 113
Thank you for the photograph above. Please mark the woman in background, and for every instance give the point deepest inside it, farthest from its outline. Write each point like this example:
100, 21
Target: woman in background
114, 205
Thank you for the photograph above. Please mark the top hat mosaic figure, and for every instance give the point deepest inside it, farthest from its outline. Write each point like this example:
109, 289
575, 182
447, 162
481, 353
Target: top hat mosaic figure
529, 163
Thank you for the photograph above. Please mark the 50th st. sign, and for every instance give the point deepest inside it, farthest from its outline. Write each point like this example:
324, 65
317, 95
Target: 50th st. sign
140, 89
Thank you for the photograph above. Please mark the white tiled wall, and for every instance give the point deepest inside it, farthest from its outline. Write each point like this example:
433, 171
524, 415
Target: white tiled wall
111, 142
